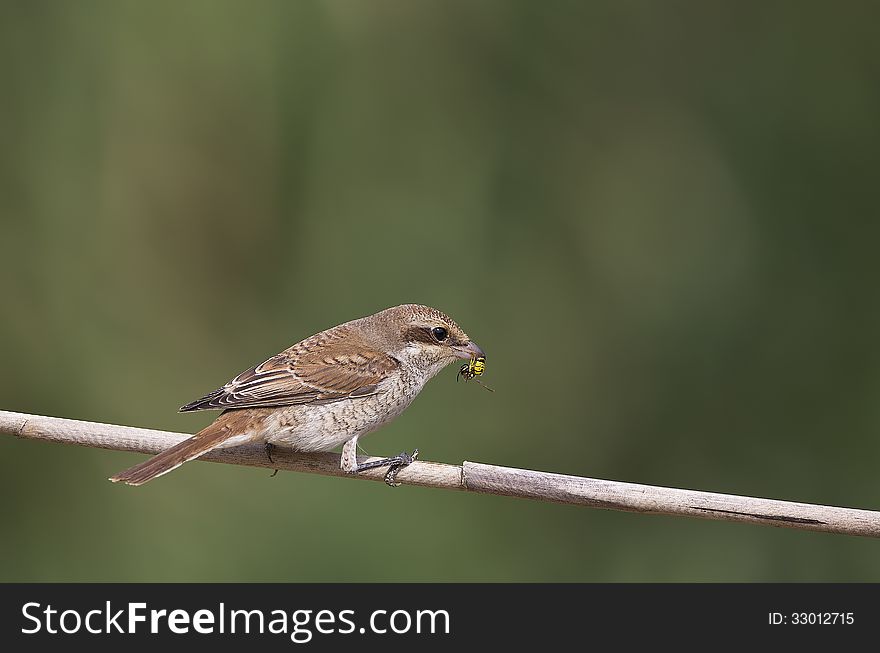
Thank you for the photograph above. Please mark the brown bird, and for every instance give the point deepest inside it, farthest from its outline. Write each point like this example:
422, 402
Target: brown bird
326, 390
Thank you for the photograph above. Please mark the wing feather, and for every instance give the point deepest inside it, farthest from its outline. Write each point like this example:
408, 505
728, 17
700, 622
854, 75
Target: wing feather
327, 367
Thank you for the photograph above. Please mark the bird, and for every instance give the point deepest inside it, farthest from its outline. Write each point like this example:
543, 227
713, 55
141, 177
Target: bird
327, 390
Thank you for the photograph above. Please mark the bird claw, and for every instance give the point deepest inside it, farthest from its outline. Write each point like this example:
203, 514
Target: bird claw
269, 448
404, 459
395, 464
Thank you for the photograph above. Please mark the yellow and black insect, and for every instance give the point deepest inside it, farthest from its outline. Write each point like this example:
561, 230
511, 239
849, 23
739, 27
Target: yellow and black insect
473, 369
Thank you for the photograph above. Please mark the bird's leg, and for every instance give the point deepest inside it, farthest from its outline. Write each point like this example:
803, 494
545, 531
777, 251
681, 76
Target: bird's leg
269, 448
395, 464
349, 461
350, 465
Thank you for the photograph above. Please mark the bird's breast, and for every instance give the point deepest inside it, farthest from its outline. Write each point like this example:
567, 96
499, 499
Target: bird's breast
325, 426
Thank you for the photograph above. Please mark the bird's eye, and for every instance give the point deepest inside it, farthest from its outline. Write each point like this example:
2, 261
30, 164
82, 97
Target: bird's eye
439, 333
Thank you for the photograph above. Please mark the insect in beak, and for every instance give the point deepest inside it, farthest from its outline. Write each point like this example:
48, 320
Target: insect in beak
473, 369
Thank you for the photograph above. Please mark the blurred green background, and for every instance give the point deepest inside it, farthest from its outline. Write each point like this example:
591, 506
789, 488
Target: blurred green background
659, 220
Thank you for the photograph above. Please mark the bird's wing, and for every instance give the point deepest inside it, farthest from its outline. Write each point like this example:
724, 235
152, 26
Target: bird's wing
325, 367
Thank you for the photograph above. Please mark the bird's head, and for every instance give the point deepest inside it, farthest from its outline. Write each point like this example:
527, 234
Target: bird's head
425, 338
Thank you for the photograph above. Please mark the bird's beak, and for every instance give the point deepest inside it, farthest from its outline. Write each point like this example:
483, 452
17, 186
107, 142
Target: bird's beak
470, 350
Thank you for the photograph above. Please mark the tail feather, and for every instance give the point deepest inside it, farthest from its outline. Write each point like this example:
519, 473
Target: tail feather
170, 459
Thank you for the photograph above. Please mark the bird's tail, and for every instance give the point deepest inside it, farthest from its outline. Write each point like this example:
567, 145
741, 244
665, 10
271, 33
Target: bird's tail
208, 438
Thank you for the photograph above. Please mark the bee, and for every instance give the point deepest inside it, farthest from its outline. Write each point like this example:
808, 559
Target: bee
473, 369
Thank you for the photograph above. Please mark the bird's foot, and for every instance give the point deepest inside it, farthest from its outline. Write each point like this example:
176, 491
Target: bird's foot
269, 448
395, 464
